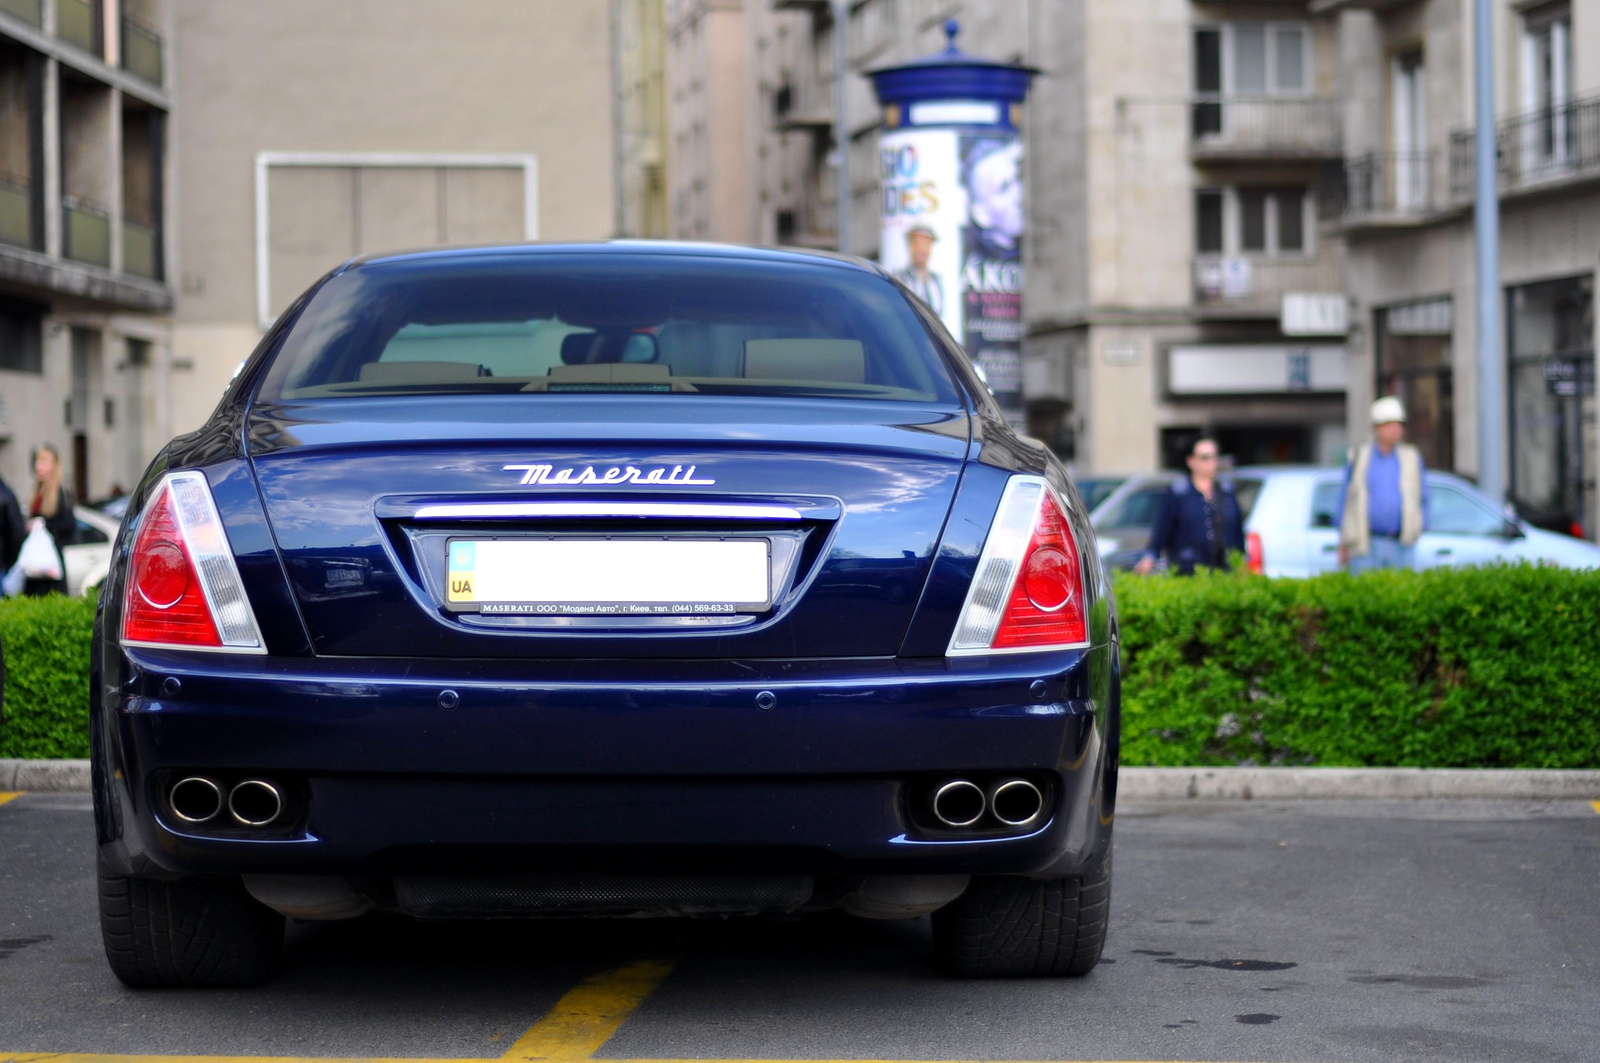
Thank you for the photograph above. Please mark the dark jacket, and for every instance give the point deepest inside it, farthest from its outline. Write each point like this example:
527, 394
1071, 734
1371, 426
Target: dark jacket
63, 528
13, 529
1180, 530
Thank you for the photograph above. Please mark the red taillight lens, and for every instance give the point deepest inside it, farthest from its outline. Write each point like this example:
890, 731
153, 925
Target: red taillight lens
1027, 592
1253, 552
165, 601
183, 587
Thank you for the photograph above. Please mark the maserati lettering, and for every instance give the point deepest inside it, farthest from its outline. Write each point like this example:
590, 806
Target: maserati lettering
549, 476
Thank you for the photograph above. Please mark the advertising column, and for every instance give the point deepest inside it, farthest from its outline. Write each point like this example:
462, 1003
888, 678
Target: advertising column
953, 219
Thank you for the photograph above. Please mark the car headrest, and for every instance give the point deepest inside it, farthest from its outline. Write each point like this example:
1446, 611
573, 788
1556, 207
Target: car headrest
419, 372
578, 348
837, 361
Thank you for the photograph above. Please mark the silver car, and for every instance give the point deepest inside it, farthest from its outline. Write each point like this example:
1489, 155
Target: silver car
1292, 527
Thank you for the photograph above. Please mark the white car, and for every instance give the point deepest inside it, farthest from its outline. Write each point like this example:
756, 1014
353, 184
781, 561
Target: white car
89, 559
1291, 527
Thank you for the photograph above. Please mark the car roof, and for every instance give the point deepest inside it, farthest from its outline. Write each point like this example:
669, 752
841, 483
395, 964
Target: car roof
681, 249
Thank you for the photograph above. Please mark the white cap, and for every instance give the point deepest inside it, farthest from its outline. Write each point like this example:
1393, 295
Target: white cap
1387, 410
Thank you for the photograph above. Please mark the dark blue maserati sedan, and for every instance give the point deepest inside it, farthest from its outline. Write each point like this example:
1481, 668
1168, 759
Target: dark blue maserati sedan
625, 579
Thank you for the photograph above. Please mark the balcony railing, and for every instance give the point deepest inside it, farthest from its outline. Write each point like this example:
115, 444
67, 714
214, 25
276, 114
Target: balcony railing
139, 251
1256, 284
141, 50
1308, 126
1533, 148
16, 212
86, 233
78, 22
29, 11
1391, 185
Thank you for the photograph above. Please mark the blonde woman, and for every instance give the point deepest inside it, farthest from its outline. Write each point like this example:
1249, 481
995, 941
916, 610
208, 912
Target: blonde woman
52, 501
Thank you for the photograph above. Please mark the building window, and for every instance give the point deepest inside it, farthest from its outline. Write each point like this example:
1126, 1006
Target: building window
1550, 349
1547, 84
1208, 224
1252, 59
1251, 221
1413, 362
21, 346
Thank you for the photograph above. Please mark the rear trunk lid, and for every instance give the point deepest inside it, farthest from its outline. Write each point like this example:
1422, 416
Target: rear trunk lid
518, 527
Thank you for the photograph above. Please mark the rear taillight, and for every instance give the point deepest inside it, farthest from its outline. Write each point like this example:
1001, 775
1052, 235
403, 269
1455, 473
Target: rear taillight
1027, 591
184, 589
1253, 552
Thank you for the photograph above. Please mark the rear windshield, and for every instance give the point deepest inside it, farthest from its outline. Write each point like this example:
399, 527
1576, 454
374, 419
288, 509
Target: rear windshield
548, 324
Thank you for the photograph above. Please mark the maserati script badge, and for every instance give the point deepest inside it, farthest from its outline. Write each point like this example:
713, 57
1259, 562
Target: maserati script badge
548, 475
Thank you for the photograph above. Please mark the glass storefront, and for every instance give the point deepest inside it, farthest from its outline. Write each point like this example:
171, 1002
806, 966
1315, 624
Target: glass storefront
1413, 363
1550, 346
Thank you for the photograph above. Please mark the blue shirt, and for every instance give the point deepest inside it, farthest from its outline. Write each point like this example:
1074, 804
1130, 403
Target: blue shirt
1384, 508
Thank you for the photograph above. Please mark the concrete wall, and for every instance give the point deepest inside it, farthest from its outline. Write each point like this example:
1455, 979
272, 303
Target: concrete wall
427, 76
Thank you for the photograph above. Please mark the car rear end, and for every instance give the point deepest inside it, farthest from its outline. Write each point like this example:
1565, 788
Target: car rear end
606, 581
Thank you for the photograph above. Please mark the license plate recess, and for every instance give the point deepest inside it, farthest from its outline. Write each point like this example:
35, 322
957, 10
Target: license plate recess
598, 575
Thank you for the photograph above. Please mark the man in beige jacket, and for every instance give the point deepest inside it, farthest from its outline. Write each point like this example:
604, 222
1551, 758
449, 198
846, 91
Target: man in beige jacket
1384, 508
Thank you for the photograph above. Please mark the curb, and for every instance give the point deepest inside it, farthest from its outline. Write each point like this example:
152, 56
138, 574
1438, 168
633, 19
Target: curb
1153, 784
1288, 784
45, 776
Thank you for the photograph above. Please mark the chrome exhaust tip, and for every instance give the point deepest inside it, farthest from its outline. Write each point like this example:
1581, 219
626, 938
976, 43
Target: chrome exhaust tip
958, 803
194, 799
255, 803
1016, 802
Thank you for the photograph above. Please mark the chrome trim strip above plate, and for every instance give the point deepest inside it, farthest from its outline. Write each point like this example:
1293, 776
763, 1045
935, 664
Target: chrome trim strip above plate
706, 510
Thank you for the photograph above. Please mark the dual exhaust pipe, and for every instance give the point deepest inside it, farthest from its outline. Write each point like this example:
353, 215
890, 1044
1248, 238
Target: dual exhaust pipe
251, 803
962, 803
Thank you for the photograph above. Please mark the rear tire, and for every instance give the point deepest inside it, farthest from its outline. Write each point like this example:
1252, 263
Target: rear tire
1010, 927
192, 932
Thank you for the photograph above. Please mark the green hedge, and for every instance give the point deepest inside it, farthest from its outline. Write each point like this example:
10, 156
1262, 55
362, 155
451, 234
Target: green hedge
1490, 667
46, 643
1495, 667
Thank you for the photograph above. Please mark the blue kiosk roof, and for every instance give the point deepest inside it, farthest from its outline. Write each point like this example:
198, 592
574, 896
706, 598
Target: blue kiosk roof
951, 74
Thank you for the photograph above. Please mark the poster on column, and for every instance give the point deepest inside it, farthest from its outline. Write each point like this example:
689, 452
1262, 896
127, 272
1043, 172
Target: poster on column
991, 263
923, 210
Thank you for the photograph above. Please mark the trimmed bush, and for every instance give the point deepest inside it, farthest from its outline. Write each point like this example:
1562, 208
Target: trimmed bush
46, 642
1493, 667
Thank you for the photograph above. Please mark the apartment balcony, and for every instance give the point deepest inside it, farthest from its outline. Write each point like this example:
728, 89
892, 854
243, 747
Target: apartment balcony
1388, 188
141, 51
85, 232
1233, 128
794, 110
1253, 286
1534, 150
78, 23
29, 11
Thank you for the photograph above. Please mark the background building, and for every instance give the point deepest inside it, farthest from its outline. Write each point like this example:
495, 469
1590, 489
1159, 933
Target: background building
313, 132
85, 227
1409, 125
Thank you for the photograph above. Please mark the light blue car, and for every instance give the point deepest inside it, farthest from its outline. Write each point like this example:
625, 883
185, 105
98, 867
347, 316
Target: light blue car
1291, 526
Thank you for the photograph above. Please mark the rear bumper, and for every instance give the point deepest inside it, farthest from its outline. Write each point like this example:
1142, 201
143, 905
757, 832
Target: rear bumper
585, 766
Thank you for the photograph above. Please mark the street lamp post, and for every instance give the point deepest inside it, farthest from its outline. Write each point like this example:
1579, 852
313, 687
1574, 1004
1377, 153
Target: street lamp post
1486, 215
841, 125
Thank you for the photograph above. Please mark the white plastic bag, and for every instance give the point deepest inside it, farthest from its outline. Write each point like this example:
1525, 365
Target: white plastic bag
39, 559
11, 586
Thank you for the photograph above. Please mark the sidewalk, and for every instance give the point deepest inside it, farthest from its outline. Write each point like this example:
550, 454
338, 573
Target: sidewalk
1152, 784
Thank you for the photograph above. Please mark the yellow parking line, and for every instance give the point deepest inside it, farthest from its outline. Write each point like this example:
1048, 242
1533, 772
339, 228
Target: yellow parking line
1592, 804
9, 795
589, 1014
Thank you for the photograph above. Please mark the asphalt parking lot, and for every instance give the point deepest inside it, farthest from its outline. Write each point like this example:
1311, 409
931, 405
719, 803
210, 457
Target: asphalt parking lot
1247, 931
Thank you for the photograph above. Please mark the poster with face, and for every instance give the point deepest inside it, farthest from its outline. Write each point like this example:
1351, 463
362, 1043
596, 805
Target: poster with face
991, 262
923, 211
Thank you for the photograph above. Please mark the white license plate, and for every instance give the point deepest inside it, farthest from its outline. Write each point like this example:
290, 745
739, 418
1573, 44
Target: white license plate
645, 577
